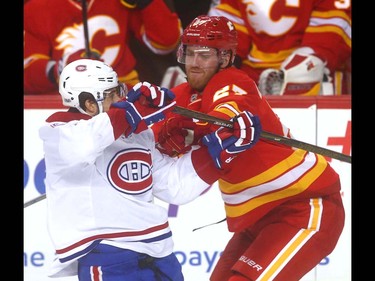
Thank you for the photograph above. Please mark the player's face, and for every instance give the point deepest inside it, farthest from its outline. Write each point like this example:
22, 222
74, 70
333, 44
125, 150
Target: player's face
113, 95
201, 63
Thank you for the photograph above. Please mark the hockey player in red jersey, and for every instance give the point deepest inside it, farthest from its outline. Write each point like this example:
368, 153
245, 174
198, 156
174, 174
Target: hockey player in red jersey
309, 41
54, 36
103, 172
283, 204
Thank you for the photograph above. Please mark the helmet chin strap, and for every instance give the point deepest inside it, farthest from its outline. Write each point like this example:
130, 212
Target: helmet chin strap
81, 110
100, 107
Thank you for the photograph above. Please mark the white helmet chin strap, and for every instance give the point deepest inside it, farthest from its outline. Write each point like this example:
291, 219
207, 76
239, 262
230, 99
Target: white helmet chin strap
100, 107
98, 102
81, 110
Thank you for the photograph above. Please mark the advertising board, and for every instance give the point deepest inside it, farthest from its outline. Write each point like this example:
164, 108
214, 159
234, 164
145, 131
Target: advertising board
323, 121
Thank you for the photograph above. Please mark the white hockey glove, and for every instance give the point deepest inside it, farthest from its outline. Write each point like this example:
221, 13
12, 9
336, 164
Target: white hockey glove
173, 76
300, 74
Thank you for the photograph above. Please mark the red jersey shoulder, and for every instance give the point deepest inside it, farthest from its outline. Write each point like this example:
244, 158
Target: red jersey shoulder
230, 76
230, 85
232, 81
65, 116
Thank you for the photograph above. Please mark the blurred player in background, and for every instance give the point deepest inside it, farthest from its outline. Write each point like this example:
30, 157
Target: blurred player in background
282, 204
164, 70
54, 35
293, 47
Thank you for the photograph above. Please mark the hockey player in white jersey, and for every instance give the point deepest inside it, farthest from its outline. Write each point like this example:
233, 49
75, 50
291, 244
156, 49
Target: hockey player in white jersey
103, 171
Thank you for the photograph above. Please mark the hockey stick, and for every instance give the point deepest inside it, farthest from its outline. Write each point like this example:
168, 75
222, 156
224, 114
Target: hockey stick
35, 200
86, 29
220, 221
265, 135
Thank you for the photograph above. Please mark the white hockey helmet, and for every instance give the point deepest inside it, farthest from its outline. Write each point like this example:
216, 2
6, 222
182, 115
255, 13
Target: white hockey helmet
86, 75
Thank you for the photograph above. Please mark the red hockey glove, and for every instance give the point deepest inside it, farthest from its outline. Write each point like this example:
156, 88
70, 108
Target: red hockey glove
146, 104
135, 4
178, 134
225, 144
57, 67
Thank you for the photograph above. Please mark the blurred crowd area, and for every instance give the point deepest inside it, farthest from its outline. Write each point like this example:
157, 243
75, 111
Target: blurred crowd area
153, 67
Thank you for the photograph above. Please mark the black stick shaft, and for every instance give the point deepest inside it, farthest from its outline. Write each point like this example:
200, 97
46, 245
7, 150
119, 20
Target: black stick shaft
86, 29
265, 135
35, 200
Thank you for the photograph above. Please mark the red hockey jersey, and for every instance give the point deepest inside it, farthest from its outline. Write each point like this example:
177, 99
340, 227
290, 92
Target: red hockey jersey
55, 28
269, 31
269, 173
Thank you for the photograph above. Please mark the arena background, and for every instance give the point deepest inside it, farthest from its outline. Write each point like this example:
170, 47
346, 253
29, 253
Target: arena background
324, 121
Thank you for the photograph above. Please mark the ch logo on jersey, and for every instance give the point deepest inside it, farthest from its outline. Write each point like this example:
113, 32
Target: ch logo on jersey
130, 171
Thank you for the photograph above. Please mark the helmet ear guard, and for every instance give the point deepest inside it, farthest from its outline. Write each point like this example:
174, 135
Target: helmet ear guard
86, 75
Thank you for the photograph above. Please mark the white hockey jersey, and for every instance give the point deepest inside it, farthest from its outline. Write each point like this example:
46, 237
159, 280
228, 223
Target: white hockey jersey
101, 190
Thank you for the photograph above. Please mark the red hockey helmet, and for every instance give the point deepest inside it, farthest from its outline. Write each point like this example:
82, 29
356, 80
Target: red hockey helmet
209, 31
